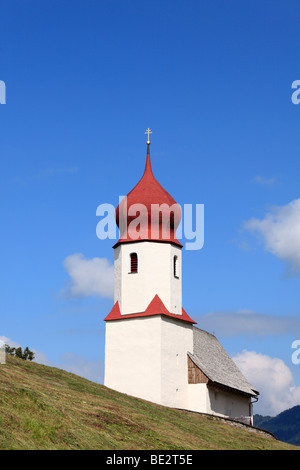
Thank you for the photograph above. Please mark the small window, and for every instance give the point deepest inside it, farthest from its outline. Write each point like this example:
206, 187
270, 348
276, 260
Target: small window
133, 263
175, 266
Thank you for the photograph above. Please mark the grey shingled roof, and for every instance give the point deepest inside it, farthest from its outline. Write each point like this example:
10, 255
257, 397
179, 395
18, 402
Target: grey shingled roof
216, 364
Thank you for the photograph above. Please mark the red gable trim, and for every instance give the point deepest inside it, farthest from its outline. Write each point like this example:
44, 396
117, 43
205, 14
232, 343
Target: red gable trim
156, 307
115, 313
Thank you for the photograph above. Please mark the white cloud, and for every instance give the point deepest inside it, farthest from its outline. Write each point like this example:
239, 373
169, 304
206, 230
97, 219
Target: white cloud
264, 181
247, 322
272, 378
91, 370
280, 233
44, 174
57, 171
9, 342
41, 358
88, 277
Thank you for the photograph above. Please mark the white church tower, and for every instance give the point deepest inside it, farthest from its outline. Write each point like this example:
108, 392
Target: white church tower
152, 348
148, 333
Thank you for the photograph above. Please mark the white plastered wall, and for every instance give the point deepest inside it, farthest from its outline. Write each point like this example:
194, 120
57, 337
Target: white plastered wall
198, 397
147, 358
205, 399
231, 405
132, 357
176, 340
134, 291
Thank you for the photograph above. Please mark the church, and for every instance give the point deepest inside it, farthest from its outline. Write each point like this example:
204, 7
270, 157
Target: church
153, 349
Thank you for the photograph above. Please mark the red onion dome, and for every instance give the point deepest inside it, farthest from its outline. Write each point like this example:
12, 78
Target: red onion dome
148, 212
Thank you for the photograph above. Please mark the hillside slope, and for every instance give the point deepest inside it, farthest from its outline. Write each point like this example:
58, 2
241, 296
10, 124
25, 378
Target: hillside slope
46, 408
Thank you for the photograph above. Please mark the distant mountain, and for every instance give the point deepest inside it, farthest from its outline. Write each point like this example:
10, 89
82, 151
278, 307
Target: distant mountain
285, 426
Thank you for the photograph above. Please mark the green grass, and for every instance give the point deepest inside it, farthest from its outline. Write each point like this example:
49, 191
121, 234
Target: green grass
47, 408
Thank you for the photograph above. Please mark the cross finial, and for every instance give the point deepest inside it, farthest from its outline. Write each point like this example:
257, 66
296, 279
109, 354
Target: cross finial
148, 131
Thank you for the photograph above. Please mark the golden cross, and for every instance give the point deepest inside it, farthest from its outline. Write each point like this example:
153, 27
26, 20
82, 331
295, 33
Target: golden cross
148, 131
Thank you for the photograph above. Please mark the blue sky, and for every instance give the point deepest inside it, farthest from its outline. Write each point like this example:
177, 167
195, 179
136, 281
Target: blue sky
84, 79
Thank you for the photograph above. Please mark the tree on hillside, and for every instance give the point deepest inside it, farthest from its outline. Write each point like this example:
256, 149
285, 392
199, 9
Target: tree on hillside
18, 352
9, 350
27, 354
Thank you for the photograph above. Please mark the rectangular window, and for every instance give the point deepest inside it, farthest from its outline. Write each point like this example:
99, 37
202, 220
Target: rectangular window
175, 266
133, 263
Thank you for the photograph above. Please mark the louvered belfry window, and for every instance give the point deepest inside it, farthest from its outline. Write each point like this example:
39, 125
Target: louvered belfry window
133, 263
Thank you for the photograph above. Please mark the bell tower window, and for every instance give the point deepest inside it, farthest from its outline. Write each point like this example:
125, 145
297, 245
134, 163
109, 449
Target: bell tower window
175, 267
133, 262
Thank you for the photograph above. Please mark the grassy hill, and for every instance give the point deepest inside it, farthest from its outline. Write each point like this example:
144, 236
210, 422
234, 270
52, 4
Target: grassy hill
46, 408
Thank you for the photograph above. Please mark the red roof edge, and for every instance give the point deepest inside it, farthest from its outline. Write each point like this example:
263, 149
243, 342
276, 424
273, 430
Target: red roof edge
129, 240
156, 307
